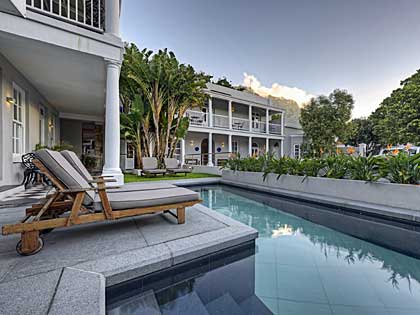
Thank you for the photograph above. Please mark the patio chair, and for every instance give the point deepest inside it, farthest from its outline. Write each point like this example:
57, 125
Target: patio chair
172, 166
150, 167
77, 164
76, 202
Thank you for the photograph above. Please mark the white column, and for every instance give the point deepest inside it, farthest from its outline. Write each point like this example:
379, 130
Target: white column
230, 114
267, 145
210, 112
182, 143
282, 123
112, 124
230, 143
267, 120
250, 118
112, 17
210, 150
282, 148
250, 146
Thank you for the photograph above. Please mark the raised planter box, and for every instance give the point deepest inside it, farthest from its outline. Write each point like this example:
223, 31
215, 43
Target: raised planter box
380, 196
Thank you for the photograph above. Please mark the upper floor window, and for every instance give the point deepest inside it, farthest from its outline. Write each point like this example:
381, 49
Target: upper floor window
296, 152
18, 133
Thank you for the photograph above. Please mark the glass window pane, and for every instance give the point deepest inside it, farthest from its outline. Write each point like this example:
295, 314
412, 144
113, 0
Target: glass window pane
15, 115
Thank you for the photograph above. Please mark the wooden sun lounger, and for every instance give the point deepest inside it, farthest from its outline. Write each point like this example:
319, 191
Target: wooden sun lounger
65, 208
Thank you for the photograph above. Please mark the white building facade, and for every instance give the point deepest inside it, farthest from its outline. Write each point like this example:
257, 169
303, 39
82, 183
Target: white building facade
59, 81
235, 122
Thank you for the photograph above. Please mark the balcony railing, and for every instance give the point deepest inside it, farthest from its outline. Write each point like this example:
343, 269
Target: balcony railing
275, 129
89, 14
197, 118
259, 127
220, 121
240, 124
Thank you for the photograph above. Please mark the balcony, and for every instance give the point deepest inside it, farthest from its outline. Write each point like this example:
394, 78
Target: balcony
220, 121
275, 129
259, 127
202, 119
197, 118
240, 124
89, 14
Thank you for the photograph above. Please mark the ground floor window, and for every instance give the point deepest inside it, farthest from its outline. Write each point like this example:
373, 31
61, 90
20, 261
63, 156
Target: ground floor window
18, 133
255, 149
297, 151
234, 146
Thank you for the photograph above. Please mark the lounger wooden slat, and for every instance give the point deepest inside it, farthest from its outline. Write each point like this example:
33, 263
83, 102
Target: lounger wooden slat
65, 208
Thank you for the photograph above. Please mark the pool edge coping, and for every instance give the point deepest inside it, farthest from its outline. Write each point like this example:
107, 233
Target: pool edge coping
234, 234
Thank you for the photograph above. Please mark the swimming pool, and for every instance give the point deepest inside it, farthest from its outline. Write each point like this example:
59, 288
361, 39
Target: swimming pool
299, 267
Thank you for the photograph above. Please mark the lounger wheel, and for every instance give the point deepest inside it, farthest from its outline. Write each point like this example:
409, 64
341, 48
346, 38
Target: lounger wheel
38, 249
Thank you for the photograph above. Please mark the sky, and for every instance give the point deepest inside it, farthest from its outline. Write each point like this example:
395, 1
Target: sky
292, 48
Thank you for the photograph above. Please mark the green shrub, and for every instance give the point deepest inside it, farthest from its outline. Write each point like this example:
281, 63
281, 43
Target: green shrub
335, 166
401, 169
365, 168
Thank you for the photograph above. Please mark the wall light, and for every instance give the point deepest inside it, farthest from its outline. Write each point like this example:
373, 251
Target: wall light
10, 100
191, 142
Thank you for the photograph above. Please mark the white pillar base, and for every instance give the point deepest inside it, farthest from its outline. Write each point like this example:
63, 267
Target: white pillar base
116, 174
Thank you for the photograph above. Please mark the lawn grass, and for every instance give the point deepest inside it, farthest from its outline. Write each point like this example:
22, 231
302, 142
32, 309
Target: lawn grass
131, 178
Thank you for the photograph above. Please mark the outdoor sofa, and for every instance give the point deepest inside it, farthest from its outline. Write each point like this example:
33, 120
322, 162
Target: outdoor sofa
150, 167
76, 202
172, 166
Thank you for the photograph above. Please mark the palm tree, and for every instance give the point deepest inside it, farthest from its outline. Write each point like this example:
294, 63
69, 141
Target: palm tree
167, 89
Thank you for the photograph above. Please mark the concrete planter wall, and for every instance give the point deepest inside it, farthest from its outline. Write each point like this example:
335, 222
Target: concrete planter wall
379, 195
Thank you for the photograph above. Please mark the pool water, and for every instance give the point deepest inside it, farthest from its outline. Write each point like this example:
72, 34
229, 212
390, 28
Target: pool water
306, 268
296, 267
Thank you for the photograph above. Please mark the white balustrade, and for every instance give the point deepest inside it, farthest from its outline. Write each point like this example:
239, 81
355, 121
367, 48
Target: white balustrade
197, 118
275, 129
220, 121
86, 13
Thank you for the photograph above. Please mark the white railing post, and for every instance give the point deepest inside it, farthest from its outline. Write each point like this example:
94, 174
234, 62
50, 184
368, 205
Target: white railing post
99, 14
182, 152
267, 145
230, 143
267, 120
210, 150
210, 112
282, 123
230, 114
250, 117
250, 146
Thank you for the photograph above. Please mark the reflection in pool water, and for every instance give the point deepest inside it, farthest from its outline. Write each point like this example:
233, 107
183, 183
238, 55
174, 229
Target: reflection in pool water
305, 268
298, 267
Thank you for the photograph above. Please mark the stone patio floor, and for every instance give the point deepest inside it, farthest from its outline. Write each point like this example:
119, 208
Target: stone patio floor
70, 274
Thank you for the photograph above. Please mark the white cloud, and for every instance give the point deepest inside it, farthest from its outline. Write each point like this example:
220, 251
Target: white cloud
292, 93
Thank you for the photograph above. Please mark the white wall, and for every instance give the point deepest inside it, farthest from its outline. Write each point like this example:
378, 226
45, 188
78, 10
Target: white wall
12, 173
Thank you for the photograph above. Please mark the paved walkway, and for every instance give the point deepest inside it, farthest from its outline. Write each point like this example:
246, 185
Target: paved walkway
70, 274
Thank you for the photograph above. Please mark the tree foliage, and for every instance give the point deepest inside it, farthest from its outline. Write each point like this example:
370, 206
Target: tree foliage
156, 91
360, 130
324, 120
397, 119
